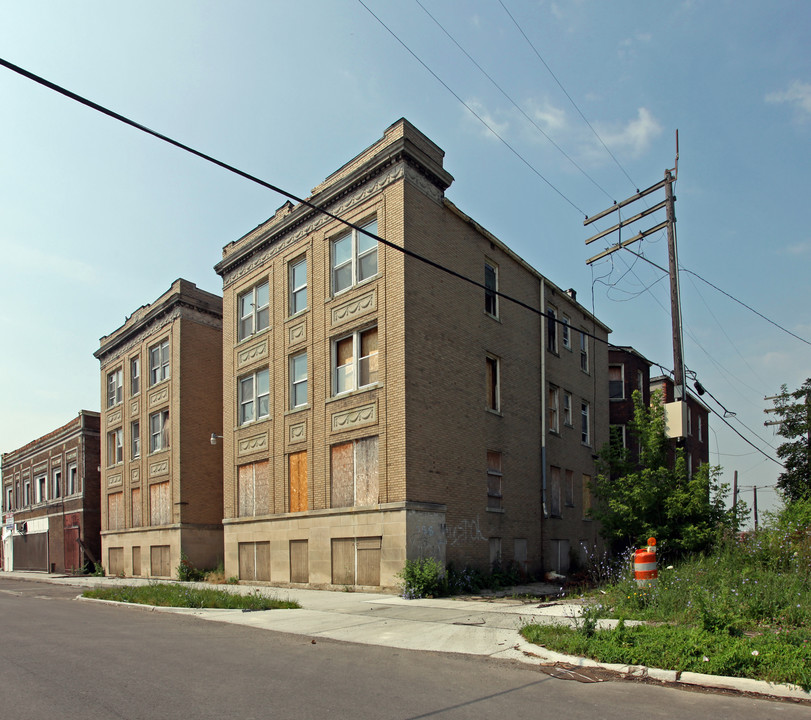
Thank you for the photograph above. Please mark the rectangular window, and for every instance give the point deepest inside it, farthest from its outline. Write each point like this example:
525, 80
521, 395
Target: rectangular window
254, 396
137, 513
567, 409
297, 280
297, 475
494, 481
585, 434
115, 511
689, 421
616, 382
554, 492
135, 376
616, 436
354, 473
135, 440
9, 499
700, 429
253, 309
27, 496
298, 380
160, 504
554, 422
57, 483
73, 480
584, 352
353, 258
115, 447
159, 431
159, 363
568, 489
114, 386
254, 489
490, 288
355, 363
565, 331
493, 383
551, 330
640, 382
587, 497
40, 489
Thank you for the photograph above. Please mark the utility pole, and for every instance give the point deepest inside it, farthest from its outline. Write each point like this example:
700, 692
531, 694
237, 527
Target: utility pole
668, 204
755, 504
735, 499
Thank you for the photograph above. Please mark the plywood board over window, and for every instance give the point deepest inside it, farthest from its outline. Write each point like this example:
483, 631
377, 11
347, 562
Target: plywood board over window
299, 561
254, 561
115, 511
254, 489
354, 473
160, 561
137, 514
298, 481
115, 561
160, 504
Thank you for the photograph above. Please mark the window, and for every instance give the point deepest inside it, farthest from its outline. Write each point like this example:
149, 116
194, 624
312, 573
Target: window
568, 489
554, 422
354, 476
490, 288
494, 544
135, 440
494, 481
587, 497
554, 492
567, 409
689, 421
298, 380
353, 258
254, 397
73, 476
115, 447
640, 382
254, 489
584, 352
114, 385
565, 330
493, 383
137, 514
40, 488
160, 504
551, 330
27, 497
355, 361
115, 512
298, 285
297, 477
159, 431
159, 363
616, 436
135, 376
616, 382
9, 499
700, 428
253, 309
57, 483
585, 435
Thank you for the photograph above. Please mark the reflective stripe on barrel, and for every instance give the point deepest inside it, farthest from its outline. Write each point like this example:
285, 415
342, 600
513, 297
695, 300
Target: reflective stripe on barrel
645, 570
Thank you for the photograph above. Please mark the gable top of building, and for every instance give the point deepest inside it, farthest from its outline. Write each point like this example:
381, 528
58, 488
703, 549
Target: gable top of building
181, 293
665, 383
401, 141
628, 350
86, 420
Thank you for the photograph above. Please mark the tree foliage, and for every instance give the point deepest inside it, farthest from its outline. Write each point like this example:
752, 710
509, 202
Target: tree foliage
794, 412
656, 496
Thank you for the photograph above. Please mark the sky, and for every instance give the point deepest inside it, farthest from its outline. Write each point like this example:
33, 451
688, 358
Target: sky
547, 112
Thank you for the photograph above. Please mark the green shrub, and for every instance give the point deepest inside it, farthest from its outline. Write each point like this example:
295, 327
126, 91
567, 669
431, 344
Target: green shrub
169, 595
186, 572
421, 578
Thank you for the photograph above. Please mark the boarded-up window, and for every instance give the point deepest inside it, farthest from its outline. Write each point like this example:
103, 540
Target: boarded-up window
299, 561
136, 560
368, 561
354, 476
298, 481
554, 423
494, 480
520, 553
493, 399
160, 504
616, 384
568, 489
160, 561
254, 561
254, 489
554, 491
343, 561
115, 561
137, 513
115, 511
586, 497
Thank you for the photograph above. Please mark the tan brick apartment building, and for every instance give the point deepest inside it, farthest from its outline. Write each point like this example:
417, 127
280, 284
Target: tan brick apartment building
51, 499
161, 399
376, 408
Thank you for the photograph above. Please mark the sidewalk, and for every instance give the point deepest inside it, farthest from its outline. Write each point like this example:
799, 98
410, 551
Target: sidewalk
487, 627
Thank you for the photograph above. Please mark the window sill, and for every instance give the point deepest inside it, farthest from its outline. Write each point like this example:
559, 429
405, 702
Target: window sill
352, 393
252, 423
296, 315
498, 511
340, 293
300, 408
492, 317
498, 413
158, 384
253, 336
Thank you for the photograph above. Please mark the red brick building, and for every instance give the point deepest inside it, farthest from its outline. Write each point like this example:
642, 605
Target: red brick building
51, 499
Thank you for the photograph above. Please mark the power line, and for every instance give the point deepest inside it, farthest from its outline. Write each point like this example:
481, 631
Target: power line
565, 92
472, 111
514, 103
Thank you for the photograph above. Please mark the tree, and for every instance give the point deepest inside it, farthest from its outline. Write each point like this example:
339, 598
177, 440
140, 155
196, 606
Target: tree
656, 497
794, 412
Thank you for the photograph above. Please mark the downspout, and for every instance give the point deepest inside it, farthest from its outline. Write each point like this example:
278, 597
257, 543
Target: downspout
543, 418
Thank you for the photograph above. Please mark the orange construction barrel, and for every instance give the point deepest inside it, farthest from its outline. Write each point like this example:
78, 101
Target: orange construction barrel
645, 571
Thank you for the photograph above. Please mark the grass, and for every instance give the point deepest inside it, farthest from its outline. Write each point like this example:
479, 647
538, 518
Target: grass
741, 611
171, 595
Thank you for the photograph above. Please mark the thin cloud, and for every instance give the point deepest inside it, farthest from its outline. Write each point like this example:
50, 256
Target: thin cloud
798, 95
798, 249
635, 137
34, 262
498, 126
550, 118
